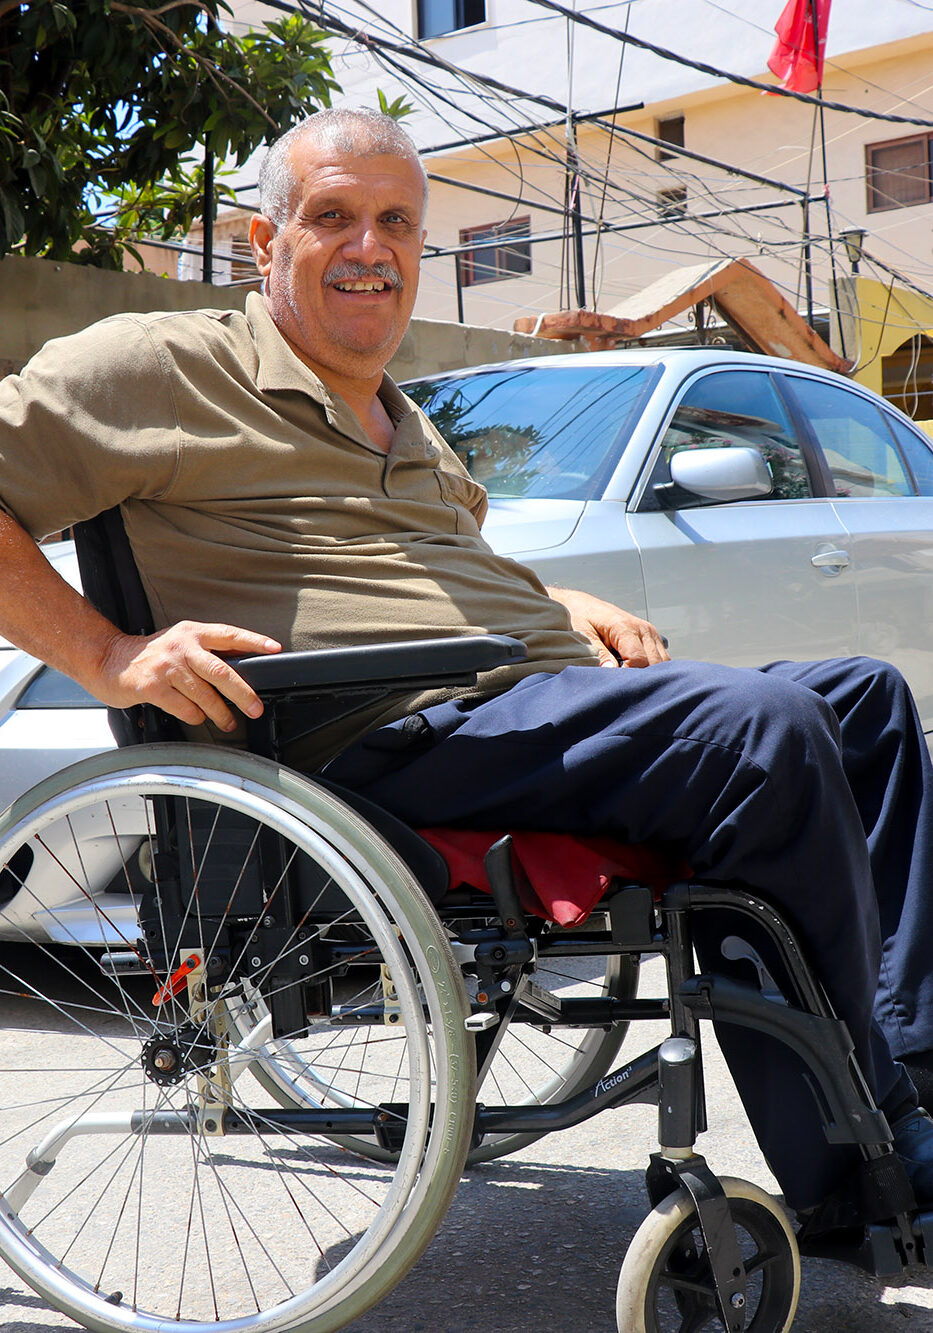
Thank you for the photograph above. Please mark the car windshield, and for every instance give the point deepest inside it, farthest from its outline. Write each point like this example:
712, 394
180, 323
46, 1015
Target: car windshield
538, 431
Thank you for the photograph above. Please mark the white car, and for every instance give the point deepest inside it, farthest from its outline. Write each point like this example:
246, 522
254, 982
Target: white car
752, 508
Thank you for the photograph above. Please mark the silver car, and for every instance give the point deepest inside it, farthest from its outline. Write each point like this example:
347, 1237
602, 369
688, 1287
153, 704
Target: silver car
752, 508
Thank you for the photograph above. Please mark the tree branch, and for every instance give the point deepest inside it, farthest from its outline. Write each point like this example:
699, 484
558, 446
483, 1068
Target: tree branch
210, 67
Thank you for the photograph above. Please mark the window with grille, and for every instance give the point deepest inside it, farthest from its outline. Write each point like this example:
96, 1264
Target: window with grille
898, 173
435, 17
672, 203
499, 250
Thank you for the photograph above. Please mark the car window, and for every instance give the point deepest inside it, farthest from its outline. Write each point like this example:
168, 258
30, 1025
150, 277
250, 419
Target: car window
918, 451
856, 443
52, 689
735, 409
541, 432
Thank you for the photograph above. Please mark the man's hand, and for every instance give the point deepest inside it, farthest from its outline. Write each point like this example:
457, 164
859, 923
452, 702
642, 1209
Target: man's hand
619, 638
179, 670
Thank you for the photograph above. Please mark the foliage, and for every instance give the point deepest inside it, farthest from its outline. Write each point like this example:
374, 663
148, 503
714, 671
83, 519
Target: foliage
104, 107
398, 108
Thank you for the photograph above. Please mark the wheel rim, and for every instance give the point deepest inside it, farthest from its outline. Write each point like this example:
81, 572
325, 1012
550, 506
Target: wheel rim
188, 1227
680, 1294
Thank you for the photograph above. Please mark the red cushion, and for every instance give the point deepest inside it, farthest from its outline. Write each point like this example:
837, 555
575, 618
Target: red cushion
560, 877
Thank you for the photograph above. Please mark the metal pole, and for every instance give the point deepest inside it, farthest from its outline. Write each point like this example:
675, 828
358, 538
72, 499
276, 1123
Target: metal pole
575, 213
207, 253
459, 275
576, 218
807, 260
834, 282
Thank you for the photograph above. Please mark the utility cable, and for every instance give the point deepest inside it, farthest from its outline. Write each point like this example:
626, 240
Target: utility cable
776, 89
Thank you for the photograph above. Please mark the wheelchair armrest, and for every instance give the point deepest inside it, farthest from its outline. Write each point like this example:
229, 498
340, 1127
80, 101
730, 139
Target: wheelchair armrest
392, 665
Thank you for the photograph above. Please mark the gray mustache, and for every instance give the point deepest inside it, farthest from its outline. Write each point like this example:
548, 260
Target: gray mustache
350, 272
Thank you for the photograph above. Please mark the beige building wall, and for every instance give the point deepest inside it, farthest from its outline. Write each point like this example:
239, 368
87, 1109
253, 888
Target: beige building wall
769, 136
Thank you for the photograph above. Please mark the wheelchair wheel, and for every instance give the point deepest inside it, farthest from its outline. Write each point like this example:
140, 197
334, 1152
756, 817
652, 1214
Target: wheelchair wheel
146, 1183
666, 1284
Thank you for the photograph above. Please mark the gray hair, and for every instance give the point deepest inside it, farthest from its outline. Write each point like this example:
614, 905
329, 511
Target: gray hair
360, 133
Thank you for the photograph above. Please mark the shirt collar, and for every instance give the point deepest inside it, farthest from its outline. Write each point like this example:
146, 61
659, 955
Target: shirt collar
279, 367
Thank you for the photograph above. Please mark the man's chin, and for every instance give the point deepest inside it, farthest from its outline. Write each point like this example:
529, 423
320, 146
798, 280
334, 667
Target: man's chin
371, 347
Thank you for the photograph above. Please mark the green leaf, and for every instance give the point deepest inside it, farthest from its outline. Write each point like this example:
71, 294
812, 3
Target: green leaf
397, 109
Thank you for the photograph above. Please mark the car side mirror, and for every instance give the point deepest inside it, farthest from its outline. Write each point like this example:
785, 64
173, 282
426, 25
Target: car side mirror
722, 474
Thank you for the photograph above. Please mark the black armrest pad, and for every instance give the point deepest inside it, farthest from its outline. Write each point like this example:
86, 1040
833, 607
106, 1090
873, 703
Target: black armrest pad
390, 663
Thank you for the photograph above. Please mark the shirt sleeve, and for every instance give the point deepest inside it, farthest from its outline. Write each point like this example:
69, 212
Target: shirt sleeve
90, 422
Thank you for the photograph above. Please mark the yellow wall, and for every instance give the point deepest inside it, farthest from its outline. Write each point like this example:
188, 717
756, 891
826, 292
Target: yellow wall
888, 315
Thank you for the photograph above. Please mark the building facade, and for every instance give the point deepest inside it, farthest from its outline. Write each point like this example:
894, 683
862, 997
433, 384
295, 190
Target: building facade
657, 164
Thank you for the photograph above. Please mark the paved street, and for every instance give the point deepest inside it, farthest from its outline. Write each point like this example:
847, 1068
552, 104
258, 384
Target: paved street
533, 1243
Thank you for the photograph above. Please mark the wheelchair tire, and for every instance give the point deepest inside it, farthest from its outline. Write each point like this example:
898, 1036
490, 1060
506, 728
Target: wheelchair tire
121, 1204
666, 1284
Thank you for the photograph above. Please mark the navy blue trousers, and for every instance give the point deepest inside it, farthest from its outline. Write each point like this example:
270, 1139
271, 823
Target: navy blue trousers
808, 782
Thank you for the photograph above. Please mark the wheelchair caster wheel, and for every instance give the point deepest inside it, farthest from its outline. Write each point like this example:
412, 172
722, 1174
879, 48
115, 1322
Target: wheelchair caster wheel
666, 1283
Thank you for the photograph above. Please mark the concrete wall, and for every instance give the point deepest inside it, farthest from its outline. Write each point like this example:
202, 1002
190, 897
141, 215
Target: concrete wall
431, 345
41, 300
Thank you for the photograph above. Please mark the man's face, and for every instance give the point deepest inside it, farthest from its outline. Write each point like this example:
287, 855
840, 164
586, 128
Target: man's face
341, 275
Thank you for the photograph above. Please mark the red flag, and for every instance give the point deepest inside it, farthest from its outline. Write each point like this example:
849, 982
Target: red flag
794, 59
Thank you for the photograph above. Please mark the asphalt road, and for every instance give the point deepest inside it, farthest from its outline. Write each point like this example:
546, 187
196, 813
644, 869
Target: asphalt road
533, 1243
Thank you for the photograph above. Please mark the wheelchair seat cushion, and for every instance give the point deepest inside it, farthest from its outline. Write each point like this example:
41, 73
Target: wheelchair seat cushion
560, 877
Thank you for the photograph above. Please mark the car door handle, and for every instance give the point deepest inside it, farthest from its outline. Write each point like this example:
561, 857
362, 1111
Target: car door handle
831, 559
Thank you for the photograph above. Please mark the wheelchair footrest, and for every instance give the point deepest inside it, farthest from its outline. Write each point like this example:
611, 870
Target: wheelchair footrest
883, 1249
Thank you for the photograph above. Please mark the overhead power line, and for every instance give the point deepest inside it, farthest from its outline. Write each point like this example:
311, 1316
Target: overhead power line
414, 51
326, 18
540, 237
665, 54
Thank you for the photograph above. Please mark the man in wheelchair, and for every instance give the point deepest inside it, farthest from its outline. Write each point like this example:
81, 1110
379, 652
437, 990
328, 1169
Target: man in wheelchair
278, 491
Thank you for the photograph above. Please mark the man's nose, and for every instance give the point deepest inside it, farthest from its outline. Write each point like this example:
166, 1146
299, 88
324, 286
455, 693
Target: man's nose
365, 243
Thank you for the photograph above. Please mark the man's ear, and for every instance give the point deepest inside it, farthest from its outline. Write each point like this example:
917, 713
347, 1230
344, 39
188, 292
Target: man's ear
261, 234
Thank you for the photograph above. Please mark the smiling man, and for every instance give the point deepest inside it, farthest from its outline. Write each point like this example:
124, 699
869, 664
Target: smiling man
339, 249
278, 489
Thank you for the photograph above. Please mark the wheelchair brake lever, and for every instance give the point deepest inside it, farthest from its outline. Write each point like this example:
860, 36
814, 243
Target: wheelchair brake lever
734, 948
500, 871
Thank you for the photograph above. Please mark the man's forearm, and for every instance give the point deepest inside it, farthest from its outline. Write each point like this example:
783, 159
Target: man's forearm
181, 669
41, 613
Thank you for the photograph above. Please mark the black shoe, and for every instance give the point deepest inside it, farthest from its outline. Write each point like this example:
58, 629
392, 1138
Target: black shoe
920, 1069
913, 1143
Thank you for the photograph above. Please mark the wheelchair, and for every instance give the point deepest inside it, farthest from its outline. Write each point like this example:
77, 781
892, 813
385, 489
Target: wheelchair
289, 1032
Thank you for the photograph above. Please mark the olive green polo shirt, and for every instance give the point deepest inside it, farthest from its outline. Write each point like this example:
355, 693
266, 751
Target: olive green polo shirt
252, 495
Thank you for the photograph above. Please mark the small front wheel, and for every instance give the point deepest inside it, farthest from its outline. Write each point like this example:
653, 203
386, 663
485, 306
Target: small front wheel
666, 1283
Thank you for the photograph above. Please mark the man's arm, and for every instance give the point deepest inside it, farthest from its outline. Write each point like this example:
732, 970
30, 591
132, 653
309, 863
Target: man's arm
176, 669
620, 638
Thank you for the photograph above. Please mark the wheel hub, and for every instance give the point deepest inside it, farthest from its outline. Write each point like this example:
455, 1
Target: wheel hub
168, 1057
